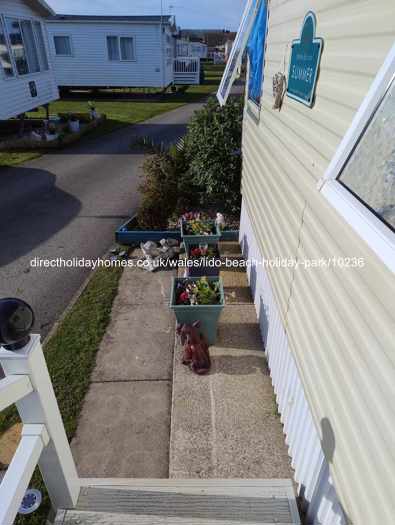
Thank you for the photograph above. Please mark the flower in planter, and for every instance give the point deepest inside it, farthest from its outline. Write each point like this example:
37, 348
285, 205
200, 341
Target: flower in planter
208, 251
199, 292
52, 129
199, 227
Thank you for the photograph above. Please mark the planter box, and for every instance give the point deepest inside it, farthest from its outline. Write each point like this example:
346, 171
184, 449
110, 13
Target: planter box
126, 235
230, 235
27, 144
203, 269
208, 315
200, 239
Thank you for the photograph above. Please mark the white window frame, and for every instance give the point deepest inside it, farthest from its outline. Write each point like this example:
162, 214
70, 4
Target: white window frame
239, 46
63, 35
118, 37
370, 228
11, 54
8, 43
43, 29
31, 20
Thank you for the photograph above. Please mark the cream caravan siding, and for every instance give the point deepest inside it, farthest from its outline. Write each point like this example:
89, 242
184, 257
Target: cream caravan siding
340, 322
15, 97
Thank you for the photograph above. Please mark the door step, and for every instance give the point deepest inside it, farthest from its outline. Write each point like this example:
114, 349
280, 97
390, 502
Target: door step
184, 502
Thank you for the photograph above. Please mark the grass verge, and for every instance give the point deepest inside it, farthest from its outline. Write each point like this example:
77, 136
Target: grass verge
123, 112
70, 356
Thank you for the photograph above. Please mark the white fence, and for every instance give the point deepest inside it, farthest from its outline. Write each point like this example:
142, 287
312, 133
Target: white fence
43, 441
186, 71
315, 485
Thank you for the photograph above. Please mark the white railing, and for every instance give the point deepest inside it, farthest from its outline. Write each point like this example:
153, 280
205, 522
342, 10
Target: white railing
43, 441
186, 70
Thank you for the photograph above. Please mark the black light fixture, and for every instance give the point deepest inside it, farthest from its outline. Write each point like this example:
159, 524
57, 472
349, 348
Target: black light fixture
16, 321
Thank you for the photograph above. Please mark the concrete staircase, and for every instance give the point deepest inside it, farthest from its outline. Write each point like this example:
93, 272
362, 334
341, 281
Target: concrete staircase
183, 502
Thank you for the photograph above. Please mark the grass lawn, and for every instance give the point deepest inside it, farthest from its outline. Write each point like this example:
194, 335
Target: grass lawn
70, 356
122, 112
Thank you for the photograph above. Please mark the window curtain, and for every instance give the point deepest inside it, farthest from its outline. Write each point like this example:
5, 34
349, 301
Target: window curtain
62, 45
256, 54
127, 51
113, 49
30, 46
41, 46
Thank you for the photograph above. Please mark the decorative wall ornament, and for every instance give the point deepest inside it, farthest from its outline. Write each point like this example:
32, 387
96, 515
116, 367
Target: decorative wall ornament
279, 89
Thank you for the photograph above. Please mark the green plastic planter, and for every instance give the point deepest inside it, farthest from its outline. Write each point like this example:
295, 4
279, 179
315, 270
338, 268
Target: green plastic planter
208, 315
201, 239
203, 269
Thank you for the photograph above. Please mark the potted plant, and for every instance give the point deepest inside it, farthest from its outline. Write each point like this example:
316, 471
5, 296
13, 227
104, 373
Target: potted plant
203, 260
198, 299
74, 124
131, 233
51, 132
198, 230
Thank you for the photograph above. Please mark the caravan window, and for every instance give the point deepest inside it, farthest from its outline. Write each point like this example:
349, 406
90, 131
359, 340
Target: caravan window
120, 48
30, 46
38, 31
360, 180
256, 53
113, 48
17, 45
127, 48
5, 58
236, 55
63, 45
369, 173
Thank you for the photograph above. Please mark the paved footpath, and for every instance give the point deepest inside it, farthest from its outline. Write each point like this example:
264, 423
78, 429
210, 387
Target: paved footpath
225, 424
147, 416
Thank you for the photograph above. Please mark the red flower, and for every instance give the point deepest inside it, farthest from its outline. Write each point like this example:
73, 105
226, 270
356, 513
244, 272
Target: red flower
184, 297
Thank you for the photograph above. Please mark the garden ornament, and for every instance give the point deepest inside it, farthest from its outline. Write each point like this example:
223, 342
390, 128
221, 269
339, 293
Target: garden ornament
16, 321
196, 353
154, 254
173, 243
220, 221
280, 84
279, 89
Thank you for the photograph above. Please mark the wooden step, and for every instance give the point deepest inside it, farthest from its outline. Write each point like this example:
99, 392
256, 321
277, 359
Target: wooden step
184, 502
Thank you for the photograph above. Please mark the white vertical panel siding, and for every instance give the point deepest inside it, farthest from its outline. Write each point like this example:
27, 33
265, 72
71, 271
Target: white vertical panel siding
340, 323
312, 475
15, 97
90, 66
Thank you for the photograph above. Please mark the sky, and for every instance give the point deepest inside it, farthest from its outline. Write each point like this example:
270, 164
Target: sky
190, 14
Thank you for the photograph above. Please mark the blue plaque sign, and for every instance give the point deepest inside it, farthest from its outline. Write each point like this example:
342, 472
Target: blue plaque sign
305, 62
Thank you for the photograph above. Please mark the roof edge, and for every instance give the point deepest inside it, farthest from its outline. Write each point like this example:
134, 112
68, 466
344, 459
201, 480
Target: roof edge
42, 6
62, 17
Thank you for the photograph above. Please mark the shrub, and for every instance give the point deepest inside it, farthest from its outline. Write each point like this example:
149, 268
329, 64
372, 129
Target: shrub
159, 189
213, 153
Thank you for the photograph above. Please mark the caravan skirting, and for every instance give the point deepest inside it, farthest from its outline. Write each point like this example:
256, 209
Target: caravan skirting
312, 476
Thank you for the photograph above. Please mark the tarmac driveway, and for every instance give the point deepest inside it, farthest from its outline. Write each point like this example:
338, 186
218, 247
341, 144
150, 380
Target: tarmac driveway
67, 205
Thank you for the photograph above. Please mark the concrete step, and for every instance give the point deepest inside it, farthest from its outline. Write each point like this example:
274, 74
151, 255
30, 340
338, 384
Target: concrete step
184, 502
